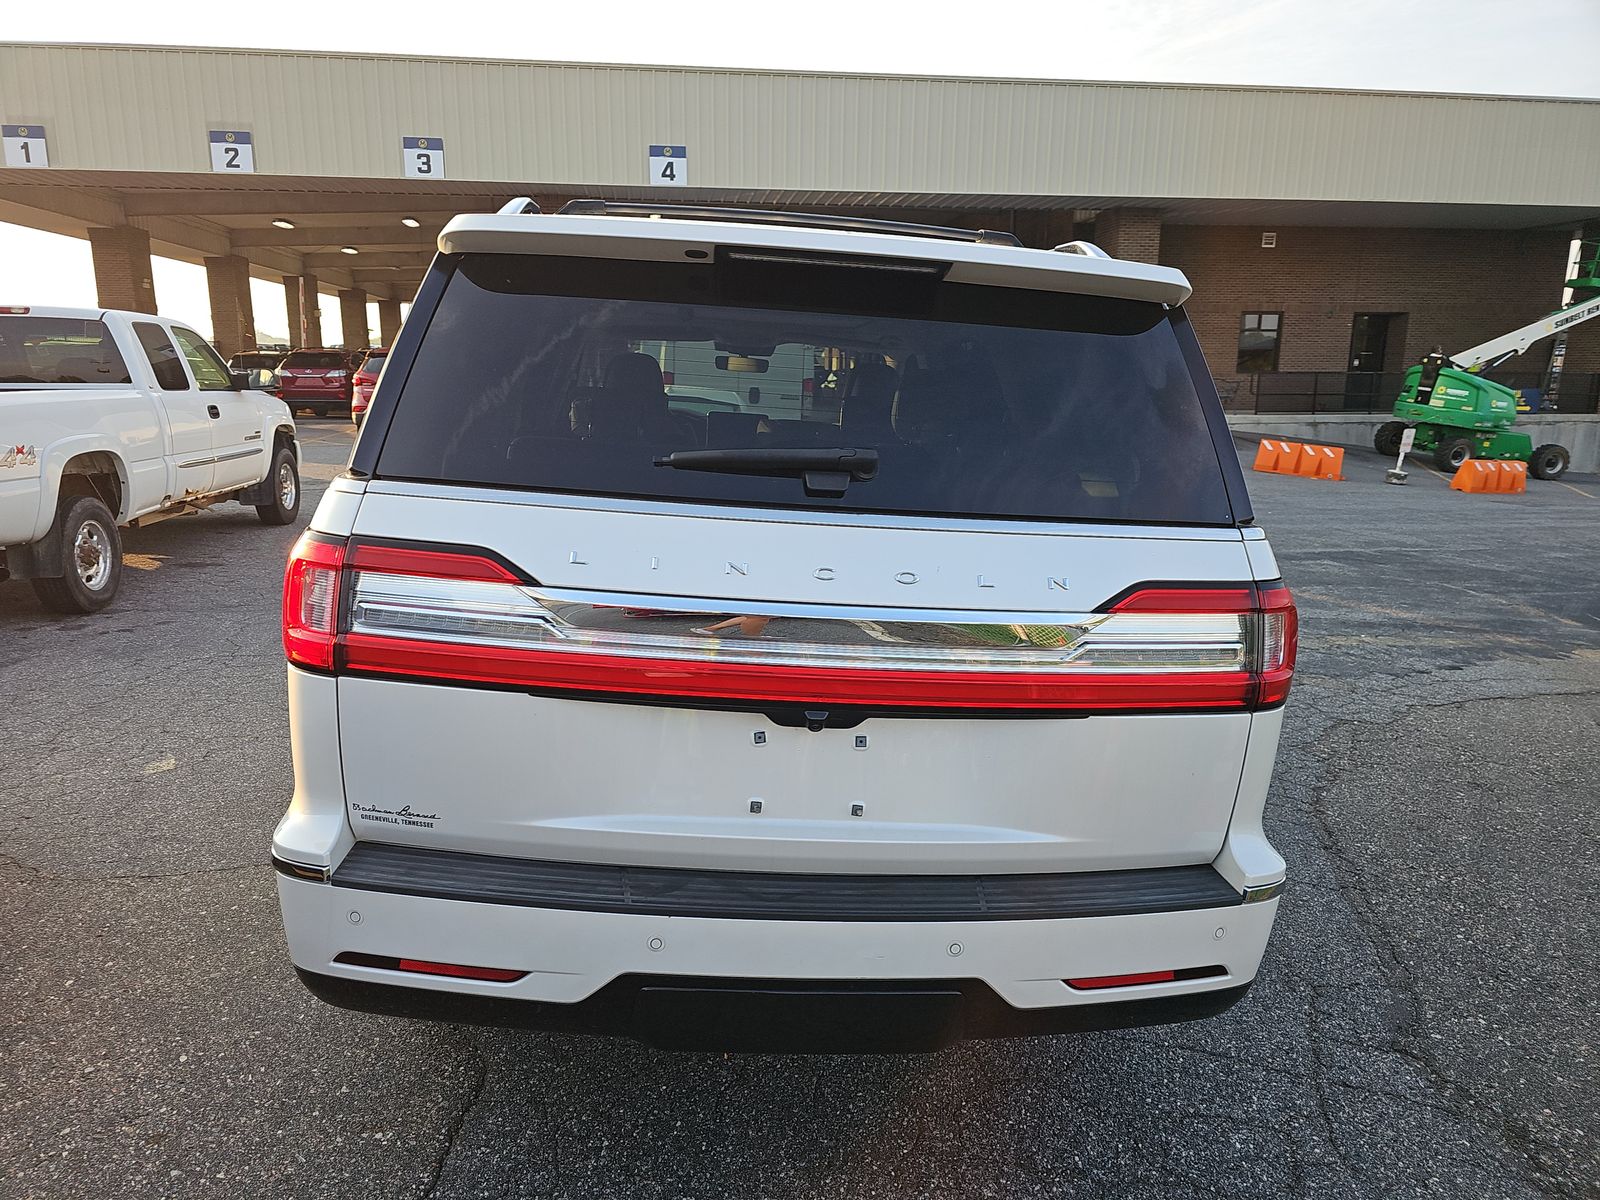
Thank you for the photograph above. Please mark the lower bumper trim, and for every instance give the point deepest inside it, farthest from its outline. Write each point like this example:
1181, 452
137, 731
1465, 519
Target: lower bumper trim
776, 1016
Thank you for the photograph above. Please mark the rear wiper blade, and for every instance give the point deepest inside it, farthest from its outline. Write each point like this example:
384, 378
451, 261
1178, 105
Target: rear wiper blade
826, 471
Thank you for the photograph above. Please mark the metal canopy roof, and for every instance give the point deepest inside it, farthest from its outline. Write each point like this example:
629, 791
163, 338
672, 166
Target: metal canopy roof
127, 135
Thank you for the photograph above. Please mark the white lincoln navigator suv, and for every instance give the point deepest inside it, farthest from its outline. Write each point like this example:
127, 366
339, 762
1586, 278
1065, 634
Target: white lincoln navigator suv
746, 630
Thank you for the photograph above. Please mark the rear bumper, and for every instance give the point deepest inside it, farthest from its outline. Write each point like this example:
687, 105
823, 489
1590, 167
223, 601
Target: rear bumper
776, 1016
717, 982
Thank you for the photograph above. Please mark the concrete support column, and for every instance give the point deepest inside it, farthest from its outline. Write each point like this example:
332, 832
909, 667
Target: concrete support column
353, 318
291, 305
122, 273
309, 333
388, 322
233, 318
1131, 233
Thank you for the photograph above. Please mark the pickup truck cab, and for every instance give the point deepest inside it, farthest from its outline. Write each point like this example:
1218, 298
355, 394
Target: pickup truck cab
112, 419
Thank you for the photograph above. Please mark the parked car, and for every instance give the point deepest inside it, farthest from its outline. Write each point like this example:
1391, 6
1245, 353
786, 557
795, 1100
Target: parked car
115, 419
958, 701
256, 360
315, 380
363, 381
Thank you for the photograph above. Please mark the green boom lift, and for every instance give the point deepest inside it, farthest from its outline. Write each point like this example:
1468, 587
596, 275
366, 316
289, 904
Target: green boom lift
1458, 414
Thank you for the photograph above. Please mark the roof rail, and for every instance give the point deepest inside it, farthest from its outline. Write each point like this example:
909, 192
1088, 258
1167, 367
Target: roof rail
518, 207
761, 216
1087, 249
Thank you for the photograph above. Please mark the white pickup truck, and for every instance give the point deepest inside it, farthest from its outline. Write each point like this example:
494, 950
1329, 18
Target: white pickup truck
117, 418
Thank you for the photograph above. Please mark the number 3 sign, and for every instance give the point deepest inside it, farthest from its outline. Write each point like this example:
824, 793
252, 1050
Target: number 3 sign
669, 166
422, 157
232, 150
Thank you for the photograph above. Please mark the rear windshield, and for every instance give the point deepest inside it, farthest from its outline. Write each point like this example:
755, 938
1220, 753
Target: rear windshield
264, 358
41, 351
316, 360
578, 376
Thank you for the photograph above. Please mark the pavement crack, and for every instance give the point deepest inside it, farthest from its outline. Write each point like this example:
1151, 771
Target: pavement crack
458, 1121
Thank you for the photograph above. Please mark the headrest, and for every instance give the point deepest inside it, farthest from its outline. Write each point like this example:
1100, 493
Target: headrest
634, 372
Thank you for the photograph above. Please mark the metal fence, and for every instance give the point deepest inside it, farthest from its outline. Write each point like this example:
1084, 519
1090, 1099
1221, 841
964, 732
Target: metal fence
1374, 391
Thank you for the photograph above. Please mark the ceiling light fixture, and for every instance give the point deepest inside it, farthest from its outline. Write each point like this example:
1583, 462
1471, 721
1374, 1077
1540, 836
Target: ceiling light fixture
283, 222
410, 222
348, 250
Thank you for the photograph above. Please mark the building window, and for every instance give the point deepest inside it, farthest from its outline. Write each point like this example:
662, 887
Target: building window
1258, 342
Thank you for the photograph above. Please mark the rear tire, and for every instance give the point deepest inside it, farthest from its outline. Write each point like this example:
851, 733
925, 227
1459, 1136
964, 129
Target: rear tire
283, 483
1549, 462
91, 558
1450, 454
1387, 439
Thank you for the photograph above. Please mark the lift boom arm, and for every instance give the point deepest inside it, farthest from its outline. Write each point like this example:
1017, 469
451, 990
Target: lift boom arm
1503, 347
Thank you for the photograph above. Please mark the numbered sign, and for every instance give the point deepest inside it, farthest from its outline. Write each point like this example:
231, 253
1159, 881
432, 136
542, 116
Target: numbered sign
232, 150
24, 145
669, 166
422, 157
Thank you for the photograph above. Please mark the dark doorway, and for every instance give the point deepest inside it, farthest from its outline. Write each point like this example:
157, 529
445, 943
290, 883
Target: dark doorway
1377, 344
1369, 341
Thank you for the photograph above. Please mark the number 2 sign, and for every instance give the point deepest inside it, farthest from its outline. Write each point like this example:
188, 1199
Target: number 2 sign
422, 157
232, 151
24, 145
669, 166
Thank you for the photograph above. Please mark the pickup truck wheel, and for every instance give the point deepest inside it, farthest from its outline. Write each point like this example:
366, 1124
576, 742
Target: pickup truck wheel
91, 559
284, 482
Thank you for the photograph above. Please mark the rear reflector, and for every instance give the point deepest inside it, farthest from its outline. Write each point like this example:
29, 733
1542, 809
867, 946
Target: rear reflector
418, 966
423, 612
1095, 983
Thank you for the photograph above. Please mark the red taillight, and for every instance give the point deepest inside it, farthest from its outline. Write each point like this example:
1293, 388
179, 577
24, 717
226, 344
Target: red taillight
311, 601
666, 378
1279, 643
1275, 626
428, 564
421, 612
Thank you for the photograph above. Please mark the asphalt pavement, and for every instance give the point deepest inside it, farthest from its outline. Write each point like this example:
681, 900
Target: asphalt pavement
1425, 1023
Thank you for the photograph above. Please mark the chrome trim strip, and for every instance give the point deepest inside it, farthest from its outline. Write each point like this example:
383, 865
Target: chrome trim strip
470, 612
220, 458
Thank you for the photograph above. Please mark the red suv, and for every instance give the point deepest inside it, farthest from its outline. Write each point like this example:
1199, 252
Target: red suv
318, 380
363, 381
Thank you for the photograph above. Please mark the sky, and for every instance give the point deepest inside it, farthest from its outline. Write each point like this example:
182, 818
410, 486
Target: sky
1533, 47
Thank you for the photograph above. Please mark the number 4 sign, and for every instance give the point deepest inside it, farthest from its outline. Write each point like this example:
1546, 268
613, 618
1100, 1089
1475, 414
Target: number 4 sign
669, 166
24, 145
232, 150
422, 157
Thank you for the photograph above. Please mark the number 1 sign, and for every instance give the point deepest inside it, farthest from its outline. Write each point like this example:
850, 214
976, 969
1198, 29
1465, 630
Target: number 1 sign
24, 146
422, 157
232, 151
